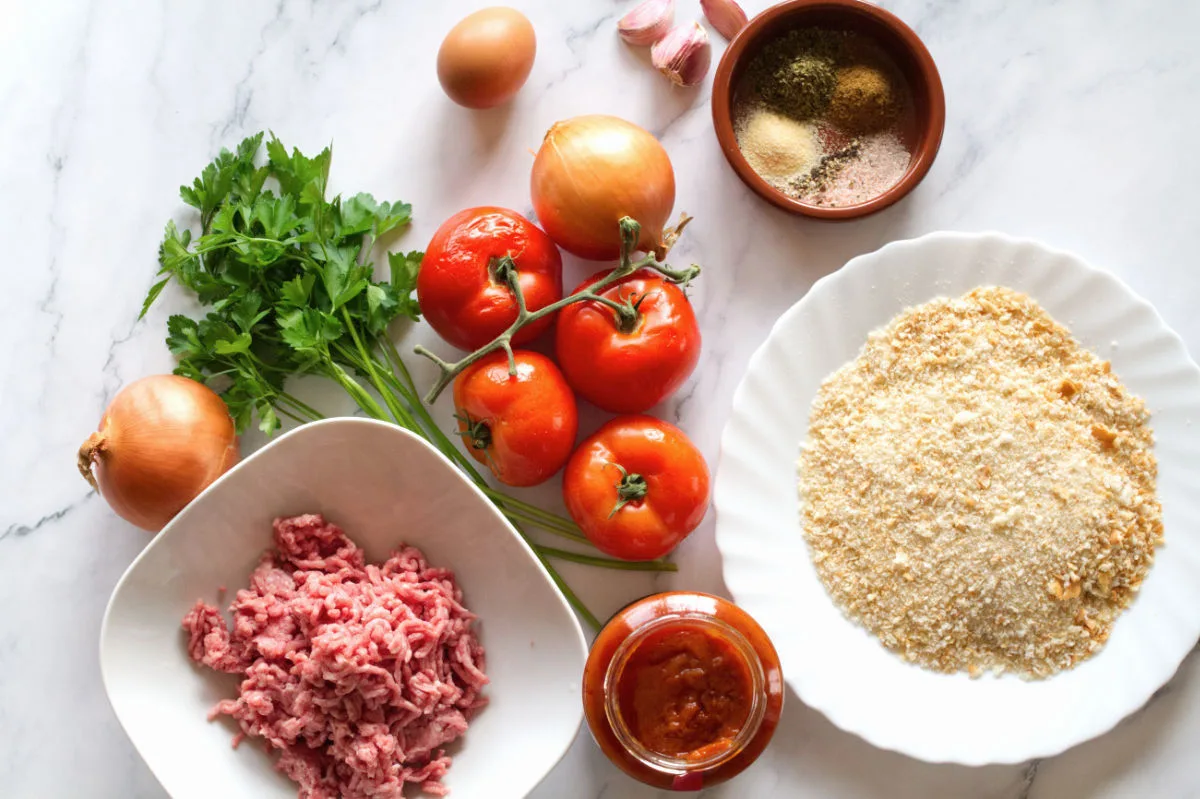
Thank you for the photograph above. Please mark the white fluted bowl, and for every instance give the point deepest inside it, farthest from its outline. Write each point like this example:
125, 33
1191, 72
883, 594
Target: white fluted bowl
839, 668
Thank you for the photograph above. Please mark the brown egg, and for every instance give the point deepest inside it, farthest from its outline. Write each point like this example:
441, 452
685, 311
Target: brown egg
486, 58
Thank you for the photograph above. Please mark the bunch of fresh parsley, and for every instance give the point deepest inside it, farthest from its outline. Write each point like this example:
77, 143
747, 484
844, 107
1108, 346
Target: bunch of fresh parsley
289, 280
290, 289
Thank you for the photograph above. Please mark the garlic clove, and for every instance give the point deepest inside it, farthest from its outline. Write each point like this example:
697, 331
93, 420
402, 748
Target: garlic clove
647, 23
683, 55
724, 15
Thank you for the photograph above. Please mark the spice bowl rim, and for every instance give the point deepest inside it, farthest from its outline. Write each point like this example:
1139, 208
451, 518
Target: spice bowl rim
746, 45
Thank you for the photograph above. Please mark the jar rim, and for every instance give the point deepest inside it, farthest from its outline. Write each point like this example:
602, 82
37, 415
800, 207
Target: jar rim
674, 764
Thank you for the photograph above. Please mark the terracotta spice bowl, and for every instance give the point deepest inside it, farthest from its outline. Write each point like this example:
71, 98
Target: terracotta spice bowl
895, 38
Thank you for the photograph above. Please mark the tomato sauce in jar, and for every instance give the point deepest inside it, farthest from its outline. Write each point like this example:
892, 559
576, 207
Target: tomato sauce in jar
682, 690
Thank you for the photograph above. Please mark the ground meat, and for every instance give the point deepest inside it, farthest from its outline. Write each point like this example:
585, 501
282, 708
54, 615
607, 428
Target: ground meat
356, 674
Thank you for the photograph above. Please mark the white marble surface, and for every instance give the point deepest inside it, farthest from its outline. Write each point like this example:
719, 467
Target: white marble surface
1074, 122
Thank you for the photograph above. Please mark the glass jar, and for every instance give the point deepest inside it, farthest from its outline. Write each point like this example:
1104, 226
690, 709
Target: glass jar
682, 690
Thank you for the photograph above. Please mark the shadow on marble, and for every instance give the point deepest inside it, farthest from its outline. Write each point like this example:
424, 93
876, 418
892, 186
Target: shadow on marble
467, 142
1106, 765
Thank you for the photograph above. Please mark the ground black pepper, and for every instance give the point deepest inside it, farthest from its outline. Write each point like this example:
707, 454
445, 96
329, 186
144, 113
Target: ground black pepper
826, 168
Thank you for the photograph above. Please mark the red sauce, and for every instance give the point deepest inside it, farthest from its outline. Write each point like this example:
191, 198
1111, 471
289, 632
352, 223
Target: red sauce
685, 690
685, 677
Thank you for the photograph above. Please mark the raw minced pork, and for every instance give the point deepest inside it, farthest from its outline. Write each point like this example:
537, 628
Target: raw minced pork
356, 674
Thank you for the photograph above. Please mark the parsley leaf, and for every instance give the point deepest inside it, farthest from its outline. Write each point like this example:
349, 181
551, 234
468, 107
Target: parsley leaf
183, 337
152, 295
404, 268
303, 177
213, 186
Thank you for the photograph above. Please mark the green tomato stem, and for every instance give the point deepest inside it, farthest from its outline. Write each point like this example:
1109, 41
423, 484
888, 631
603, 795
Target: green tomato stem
503, 342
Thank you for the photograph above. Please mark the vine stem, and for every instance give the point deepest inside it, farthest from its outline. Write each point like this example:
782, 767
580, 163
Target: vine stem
505, 270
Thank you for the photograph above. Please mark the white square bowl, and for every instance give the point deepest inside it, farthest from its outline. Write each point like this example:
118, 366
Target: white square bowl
384, 486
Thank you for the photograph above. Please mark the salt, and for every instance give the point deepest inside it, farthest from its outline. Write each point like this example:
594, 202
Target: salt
881, 161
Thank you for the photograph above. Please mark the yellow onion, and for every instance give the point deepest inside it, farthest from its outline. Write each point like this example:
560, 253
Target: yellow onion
162, 441
591, 171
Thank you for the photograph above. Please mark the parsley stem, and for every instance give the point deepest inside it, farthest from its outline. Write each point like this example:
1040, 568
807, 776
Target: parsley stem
529, 518
543, 518
307, 410
609, 563
408, 390
284, 411
409, 393
531, 513
403, 418
572, 598
534, 514
356, 391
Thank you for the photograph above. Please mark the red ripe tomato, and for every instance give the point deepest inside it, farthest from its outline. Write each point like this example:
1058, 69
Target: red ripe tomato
637, 487
462, 296
630, 360
521, 426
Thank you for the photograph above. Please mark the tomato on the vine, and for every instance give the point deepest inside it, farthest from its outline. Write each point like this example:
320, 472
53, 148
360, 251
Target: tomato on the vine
637, 487
462, 287
520, 426
631, 350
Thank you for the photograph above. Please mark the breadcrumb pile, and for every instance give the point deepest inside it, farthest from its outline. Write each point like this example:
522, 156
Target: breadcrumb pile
978, 490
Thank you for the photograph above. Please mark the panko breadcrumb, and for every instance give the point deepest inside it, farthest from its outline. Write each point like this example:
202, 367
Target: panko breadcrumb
978, 490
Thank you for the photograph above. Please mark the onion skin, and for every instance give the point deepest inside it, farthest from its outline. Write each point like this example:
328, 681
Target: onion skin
162, 440
591, 171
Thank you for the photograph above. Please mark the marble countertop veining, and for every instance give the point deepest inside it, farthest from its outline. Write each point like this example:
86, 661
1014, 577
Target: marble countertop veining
1072, 121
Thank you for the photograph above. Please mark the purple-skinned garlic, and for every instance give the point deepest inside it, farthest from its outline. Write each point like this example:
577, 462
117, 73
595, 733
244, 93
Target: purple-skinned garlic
683, 55
647, 23
724, 15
